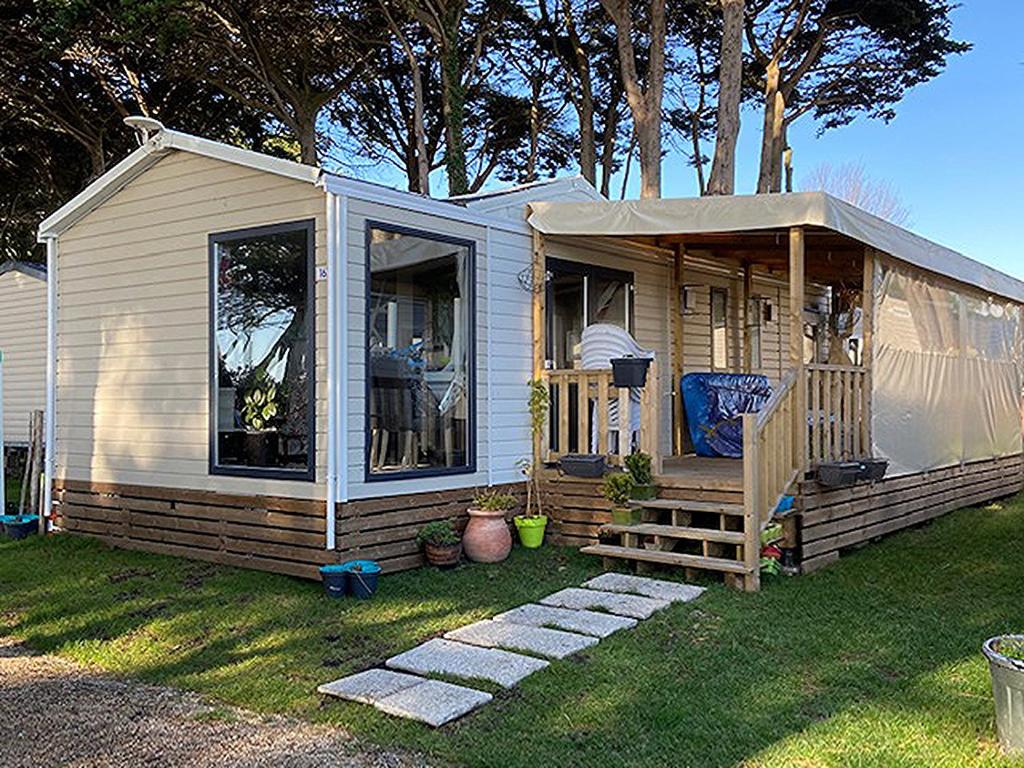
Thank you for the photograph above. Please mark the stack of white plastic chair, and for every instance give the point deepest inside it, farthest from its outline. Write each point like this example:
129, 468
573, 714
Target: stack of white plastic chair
599, 345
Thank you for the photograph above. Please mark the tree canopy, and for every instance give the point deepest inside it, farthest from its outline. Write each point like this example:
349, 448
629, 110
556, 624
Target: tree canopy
471, 91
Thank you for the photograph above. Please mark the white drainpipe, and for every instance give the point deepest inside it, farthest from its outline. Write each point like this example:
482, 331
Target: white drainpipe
332, 459
337, 360
50, 419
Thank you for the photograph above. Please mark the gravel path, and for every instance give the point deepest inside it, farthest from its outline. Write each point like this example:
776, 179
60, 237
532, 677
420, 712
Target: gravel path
73, 717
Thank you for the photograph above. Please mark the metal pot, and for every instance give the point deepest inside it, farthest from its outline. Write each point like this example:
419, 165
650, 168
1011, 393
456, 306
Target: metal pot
1008, 691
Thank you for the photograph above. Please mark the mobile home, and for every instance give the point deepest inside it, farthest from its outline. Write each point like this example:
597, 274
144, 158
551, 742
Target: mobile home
261, 363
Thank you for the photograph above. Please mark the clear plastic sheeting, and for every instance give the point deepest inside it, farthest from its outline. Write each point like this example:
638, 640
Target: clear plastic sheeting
947, 372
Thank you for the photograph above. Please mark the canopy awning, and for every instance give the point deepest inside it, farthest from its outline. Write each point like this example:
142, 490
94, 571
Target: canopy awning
746, 213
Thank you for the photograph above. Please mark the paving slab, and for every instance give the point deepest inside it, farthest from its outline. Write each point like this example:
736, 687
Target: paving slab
542, 641
433, 702
672, 591
634, 606
446, 657
591, 623
370, 686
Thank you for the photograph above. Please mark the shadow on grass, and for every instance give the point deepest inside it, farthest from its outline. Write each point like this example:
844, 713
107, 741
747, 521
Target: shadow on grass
873, 661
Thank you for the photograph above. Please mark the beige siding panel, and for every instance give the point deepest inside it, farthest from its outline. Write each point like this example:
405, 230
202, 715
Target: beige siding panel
133, 298
23, 343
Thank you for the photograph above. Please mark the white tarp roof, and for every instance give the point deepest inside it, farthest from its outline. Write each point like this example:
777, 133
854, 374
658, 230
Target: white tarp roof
743, 213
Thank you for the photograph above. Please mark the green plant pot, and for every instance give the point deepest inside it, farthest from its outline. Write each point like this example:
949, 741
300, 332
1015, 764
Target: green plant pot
531, 530
626, 515
644, 492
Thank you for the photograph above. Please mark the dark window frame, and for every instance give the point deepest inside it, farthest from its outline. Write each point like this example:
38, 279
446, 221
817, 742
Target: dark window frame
569, 267
214, 240
470, 467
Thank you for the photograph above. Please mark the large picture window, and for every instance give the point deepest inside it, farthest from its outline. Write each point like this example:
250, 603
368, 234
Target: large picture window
419, 353
262, 409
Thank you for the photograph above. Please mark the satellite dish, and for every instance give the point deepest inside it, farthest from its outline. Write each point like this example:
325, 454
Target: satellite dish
144, 127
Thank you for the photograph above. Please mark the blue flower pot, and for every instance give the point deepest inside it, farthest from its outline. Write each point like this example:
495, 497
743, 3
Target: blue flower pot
362, 577
335, 580
19, 527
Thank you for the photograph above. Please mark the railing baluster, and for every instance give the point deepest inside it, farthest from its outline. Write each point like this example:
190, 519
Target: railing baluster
583, 412
624, 422
604, 382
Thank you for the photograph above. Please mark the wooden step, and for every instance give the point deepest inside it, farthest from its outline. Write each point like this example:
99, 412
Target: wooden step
689, 506
667, 558
676, 532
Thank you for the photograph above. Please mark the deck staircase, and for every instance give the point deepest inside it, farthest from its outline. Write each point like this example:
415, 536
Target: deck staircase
697, 524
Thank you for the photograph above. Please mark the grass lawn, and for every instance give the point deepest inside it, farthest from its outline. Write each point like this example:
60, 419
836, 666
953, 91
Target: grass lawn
872, 662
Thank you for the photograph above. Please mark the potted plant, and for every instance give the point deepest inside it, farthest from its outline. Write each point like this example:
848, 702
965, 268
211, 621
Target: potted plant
531, 524
1005, 654
639, 467
487, 538
259, 410
617, 488
441, 543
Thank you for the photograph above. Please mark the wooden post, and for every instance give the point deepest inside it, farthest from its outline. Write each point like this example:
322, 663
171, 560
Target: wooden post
538, 285
796, 344
867, 346
676, 368
751, 505
748, 290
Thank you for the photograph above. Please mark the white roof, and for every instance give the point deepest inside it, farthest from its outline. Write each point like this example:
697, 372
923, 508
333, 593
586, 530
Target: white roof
744, 213
511, 202
502, 208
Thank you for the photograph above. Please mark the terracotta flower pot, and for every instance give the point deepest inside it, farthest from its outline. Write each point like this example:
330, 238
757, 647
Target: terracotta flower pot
443, 555
487, 538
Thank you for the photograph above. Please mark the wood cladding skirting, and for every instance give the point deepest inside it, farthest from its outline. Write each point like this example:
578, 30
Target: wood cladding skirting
830, 520
575, 508
384, 528
267, 533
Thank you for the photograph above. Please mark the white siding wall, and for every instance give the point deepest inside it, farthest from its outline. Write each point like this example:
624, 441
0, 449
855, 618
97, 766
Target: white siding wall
503, 370
23, 343
133, 330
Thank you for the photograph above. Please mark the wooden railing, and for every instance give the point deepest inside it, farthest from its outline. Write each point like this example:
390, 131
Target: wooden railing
839, 413
588, 414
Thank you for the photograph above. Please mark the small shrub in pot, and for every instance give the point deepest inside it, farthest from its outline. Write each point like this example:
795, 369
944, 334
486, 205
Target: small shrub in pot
638, 465
618, 489
441, 543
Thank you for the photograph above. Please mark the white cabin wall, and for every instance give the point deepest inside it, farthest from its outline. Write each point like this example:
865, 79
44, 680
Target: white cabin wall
23, 344
505, 367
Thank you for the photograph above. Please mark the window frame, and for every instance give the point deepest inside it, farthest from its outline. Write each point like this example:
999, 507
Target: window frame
470, 467
716, 290
215, 239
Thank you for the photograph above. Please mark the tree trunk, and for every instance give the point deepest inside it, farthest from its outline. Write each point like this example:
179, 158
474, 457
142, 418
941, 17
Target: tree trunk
644, 102
723, 168
305, 130
588, 137
420, 129
611, 129
453, 105
769, 135
648, 139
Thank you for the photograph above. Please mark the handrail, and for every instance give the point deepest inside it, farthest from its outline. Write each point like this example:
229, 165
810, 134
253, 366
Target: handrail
839, 413
772, 462
603, 419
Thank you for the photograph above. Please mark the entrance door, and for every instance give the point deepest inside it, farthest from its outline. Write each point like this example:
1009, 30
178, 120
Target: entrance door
579, 295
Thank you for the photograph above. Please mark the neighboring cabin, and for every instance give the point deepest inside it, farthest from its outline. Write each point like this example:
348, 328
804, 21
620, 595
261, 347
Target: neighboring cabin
23, 344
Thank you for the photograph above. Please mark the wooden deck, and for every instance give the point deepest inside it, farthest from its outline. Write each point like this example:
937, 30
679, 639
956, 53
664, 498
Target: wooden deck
702, 473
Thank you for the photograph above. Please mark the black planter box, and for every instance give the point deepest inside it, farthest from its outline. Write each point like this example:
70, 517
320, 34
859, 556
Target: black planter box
873, 469
630, 371
583, 464
839, 473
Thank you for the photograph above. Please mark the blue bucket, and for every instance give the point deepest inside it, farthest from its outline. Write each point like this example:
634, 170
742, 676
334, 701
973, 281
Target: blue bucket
19, 527
362, 577
335, 580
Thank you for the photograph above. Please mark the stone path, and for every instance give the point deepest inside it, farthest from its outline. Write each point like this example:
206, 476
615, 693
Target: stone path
505, 649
